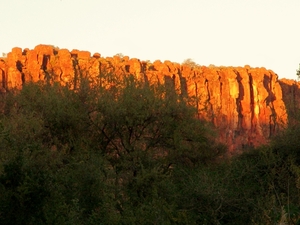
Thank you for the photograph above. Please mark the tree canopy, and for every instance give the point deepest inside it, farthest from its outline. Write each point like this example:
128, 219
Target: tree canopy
134, 153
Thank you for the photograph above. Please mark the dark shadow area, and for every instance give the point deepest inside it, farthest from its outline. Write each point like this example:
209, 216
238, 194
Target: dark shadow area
170, 86
19, 66
2, 75
269, 103
267, 85
250, 141
55, 51
127, 67
152, 68
46, 59
239, 106
74, 55
75, 68
25, 52
143, 67
183, 87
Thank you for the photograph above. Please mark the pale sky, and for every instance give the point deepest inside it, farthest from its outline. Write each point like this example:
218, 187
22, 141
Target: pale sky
259, 33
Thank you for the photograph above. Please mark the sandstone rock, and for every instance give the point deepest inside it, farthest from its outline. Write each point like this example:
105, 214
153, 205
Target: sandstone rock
135, 68
44, 53
14, 75
94, 70
66, 66
2, 79
2, 74
83, 63
291, 96
96, 55
84, 55
247, 105
32, 67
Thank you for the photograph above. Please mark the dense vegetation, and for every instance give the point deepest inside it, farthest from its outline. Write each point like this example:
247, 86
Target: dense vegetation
134, 153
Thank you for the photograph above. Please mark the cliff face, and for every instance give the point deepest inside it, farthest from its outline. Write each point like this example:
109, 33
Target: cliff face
291, 98
246, 104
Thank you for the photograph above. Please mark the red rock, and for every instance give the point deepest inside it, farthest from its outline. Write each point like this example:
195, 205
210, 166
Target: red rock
2, 79
2, 74
83, 63
44, 49
135, 67
291, 96
45, 53
84, 55
247, 105
97, 55
66, 66
32, 67
74, 53
94, 70
14, 68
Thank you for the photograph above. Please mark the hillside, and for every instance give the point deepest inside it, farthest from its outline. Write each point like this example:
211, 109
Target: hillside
247, 105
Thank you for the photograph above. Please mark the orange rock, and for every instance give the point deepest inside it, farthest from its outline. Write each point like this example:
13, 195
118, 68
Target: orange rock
94, 70
96, 55
84, 55
291, 96
247, 105
135, 68
74, 53
2, 74
66, 66
44, 49
83, 63
32, 67
45, 54
14, 76
2, 79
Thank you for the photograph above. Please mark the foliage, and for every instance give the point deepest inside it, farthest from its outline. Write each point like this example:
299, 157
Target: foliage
134, 153
189, 62
96, 154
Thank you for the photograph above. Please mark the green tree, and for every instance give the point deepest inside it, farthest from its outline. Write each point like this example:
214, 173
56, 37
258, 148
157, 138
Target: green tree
102, 154
145, 134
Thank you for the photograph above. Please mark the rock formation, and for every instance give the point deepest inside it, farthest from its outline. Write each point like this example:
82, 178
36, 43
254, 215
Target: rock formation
291, 98
247, 105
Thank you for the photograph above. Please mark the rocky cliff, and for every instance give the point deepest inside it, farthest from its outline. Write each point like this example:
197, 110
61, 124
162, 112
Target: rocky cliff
247, 105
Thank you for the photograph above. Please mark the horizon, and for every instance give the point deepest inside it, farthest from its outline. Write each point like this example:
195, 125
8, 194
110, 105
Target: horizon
221, 33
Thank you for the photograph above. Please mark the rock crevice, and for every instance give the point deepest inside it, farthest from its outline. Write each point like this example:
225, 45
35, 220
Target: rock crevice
247, 105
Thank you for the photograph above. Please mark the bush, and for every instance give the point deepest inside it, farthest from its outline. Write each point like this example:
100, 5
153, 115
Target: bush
134, 153
98, 154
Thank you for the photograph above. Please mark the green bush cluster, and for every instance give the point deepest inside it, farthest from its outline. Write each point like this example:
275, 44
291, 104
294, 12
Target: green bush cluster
133, 154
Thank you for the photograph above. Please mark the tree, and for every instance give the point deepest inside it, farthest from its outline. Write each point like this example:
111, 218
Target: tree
298, 72
190, 62
101, 154
144, 134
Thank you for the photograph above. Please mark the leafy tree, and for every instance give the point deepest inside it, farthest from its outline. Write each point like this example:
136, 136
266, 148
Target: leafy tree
127, 152
102, 154
190, 62
145, 134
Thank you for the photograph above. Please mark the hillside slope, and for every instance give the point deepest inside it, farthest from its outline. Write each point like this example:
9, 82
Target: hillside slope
247, 105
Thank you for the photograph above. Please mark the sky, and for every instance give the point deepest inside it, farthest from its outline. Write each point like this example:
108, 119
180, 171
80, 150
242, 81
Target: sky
259, 33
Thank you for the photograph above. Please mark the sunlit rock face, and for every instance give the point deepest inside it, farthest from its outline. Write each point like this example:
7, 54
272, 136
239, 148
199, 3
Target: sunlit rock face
247, 105
291, 96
